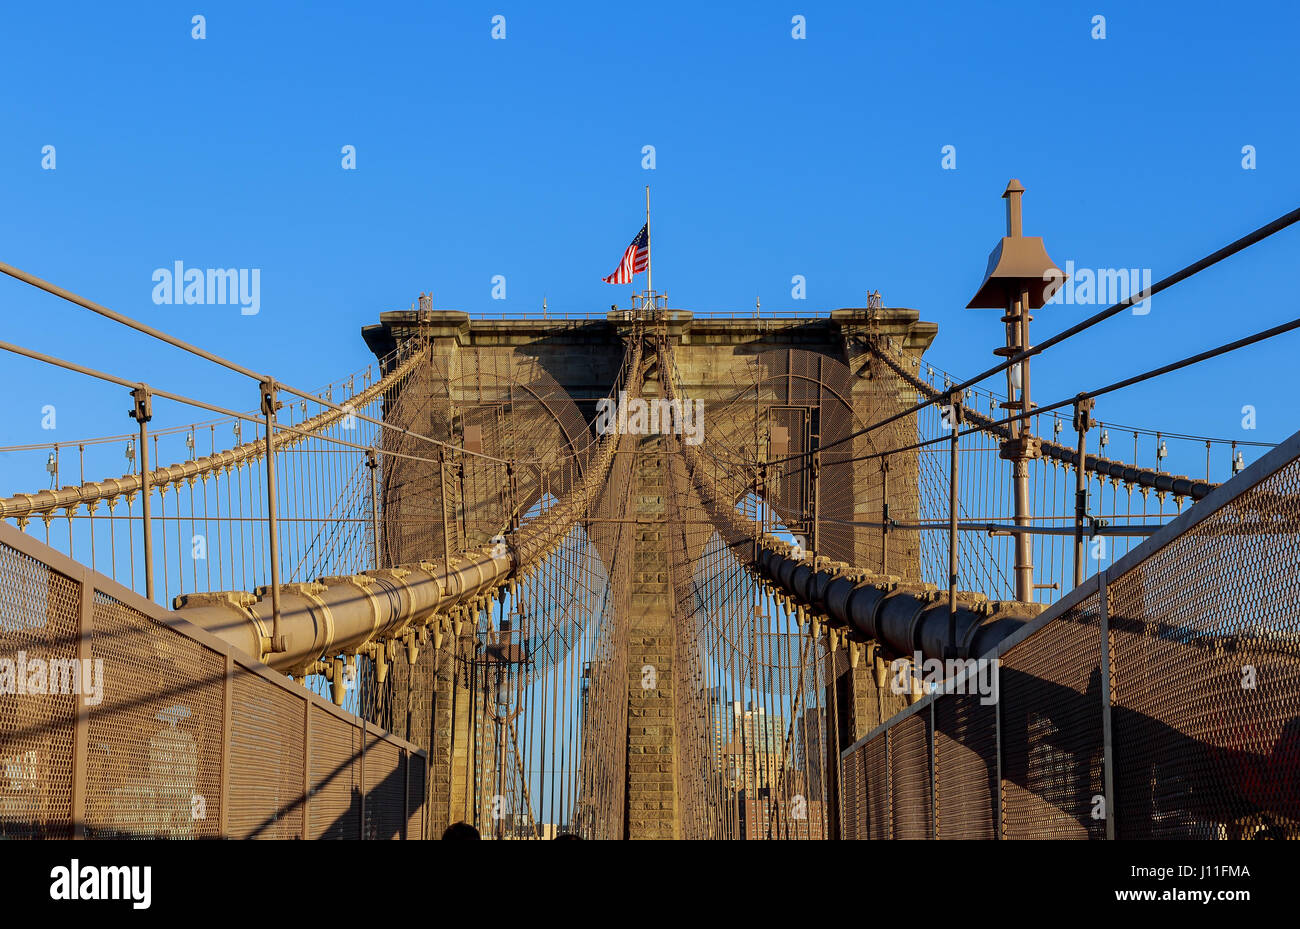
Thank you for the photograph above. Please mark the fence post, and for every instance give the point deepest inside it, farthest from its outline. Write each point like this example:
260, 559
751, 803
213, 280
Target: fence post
223, 817
934, 783
1108, 751
889, 777
306, 761
361, 779
997, 750
406, 791
81, 711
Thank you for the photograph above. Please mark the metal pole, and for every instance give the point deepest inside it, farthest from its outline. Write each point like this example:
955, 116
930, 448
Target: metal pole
817, 502
1024, 543
934, 795
1014, 223
269, 406
1024, 365
442, 506
997, 749
1108, 743
142, 413
954, 422
1017, 336
1082, 423
373, 464
884, 515
649, 281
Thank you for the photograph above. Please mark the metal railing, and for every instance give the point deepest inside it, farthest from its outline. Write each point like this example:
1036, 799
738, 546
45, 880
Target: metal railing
1157, 700
604, 316
131, 723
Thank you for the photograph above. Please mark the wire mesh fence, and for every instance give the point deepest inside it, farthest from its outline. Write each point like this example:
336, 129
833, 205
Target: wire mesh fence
130, 723
1158, 700
525, 695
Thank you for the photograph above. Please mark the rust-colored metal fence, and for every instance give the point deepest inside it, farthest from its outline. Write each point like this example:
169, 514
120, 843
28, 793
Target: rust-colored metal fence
118, 719
1160, 699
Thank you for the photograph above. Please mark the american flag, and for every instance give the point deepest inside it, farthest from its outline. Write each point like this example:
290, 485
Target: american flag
634, 260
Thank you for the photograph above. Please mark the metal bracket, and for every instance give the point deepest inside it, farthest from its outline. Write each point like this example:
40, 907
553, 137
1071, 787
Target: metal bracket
956, 414
1083, 406
269, 402
142, 412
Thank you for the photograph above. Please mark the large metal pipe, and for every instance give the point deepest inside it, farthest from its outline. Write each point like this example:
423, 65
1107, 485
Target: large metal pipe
336, 615
904, 618
23, 506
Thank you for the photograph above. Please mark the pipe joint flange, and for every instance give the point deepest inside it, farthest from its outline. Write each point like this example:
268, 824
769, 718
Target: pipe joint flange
310, 591
398, 573
239, 601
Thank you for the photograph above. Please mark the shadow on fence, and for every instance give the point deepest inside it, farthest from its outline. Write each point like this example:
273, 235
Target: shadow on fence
185, 737
1160, 699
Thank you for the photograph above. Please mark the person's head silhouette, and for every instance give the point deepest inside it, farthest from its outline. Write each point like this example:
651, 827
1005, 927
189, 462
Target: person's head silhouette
461, 831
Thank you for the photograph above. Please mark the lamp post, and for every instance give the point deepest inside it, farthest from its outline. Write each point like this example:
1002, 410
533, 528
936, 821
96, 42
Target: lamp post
1020, 277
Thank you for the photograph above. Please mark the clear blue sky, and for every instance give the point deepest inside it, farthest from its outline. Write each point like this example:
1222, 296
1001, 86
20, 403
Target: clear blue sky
522, 157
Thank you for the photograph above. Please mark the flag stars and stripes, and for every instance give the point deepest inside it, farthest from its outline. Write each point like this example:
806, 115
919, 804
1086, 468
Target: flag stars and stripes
635, 259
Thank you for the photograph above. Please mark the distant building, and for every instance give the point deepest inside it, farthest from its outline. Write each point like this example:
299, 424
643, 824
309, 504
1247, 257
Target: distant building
810, 750
748, 745
765, 815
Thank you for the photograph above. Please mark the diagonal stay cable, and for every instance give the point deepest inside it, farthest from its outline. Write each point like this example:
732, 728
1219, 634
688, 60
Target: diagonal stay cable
63, 293
1172, 366
1214, 258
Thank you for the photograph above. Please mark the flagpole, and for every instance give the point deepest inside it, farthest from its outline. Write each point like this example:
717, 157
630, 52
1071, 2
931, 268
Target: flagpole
649, 253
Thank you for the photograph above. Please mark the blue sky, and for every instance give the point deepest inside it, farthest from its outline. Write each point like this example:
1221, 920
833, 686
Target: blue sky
522, 157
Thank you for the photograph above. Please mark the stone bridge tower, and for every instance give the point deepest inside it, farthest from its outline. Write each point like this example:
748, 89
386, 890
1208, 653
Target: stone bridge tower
808, 366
